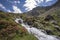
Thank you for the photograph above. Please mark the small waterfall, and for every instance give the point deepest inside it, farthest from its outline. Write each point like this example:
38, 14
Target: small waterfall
37, 32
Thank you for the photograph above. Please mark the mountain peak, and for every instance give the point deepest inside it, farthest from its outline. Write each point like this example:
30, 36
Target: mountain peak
20, 6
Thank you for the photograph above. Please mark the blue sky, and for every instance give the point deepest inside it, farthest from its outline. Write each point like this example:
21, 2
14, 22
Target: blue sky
20, 6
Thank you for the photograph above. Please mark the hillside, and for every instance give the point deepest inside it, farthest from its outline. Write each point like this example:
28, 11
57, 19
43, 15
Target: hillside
10, 30
48, 21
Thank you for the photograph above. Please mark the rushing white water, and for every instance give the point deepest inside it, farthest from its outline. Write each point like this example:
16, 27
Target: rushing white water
36, 32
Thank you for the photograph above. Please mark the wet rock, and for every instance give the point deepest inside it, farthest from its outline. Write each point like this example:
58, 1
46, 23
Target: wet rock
49, 32
49, 17
57, 27
54, 22
58, 38
29, 23
19, 21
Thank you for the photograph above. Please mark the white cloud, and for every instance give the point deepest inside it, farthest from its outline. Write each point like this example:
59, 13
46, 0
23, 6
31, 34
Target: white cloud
1, 6
16, 9
48, 0
8, 11
30, 4
14, 2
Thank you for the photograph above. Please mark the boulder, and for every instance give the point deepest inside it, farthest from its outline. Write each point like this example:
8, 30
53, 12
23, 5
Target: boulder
48, 18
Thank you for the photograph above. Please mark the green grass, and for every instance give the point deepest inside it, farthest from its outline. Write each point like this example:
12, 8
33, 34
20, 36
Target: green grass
27, 37
8, 26
40, 23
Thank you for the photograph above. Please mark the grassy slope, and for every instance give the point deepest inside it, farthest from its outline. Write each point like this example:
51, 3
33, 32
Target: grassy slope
41, 23
10, 30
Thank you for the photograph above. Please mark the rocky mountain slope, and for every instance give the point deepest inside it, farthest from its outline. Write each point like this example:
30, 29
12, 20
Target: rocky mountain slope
40, 10
44, 18
10, 30
49, 21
